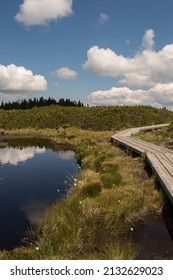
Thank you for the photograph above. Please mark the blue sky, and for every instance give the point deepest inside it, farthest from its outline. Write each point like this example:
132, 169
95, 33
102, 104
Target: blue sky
99, 51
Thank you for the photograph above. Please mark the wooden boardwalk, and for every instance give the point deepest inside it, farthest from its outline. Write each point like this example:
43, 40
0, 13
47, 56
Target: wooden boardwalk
159, 158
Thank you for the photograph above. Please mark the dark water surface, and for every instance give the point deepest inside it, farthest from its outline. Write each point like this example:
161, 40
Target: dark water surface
33, 175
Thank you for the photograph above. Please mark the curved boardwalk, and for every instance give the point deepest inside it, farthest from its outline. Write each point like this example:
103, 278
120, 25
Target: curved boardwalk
159, 158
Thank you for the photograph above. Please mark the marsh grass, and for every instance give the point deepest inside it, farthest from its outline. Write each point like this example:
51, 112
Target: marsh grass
104, 203
91, 189
157, 137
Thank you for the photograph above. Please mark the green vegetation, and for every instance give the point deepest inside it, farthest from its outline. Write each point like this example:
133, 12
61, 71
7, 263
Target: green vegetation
91, 118
163, 137
106, 201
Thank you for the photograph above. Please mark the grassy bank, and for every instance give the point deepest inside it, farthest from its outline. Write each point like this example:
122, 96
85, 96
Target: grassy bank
104, 205
162, 137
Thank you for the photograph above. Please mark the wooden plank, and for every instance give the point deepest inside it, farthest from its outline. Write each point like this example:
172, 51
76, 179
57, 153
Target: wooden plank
162, 174
160, 158
169, 156
129, 144
150, 146
133, 131
141, 147
166, 163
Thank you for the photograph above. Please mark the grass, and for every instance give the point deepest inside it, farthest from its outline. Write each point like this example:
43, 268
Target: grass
162, 136
106, 200
158, 137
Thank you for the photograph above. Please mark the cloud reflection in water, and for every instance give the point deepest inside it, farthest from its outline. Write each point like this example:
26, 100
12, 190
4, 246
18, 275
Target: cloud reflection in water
16, 155
34, 210
66, 155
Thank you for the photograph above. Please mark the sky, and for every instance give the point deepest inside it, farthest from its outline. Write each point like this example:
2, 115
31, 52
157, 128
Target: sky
102, 52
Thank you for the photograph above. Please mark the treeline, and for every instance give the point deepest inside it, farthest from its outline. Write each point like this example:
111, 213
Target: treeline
38, 102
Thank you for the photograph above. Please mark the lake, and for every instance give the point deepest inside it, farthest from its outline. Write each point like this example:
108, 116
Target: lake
34, 174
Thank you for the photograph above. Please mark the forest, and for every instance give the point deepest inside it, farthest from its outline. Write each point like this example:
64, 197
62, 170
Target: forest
38, 102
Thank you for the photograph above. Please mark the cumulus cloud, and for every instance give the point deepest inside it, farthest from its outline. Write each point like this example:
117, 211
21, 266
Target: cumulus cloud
103, 18
118, 96
149, 72
146, 68
148, 40
65, 73
15, 79
105, 62
159, 95
41, 12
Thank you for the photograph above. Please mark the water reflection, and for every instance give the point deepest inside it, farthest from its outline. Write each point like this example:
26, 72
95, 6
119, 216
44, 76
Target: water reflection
66, 155
34, 210
16, 155
32, 177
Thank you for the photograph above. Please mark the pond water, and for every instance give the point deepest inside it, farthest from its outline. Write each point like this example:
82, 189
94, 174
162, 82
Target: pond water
33, 176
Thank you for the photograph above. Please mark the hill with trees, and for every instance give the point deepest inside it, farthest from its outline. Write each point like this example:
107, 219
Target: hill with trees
92, 118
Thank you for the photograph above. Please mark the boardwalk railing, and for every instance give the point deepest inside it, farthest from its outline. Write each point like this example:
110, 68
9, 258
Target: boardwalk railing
159, 158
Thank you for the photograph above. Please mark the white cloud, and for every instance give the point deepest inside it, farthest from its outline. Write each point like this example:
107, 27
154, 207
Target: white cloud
65, 73
41, 12
103, 18
18, 80
150, 72
105, 62
159, 95
148, 40
146, 68
117, 96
